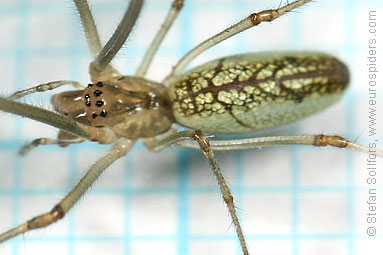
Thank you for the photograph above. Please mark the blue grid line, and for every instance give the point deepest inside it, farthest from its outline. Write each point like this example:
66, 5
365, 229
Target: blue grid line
19, 77
148, 191
231, 237
98, 191
73, 152
127, 199
183, 204
295, 36
350, 13
237, 189
183, 190
183, 159
71, 225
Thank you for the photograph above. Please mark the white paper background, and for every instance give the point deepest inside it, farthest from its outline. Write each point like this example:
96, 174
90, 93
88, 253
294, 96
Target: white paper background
291, 200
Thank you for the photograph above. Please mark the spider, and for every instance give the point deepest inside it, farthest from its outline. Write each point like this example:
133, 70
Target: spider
95, 85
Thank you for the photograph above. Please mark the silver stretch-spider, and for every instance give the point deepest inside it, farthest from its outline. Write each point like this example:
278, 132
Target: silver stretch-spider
230, 95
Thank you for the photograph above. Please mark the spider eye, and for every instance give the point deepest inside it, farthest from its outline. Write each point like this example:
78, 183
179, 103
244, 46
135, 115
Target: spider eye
97, 93
103, 113
96, 97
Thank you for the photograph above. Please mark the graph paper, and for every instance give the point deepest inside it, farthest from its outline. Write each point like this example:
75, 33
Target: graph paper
290, 200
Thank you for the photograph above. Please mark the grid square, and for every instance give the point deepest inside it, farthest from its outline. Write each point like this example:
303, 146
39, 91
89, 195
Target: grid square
145, 175
318, 37
208, 215
6, 213
100, 215
221, 247
7, 163
162, 222
323, 213
99, 248
313, 170
314, 124
7, 65
6, 248
267, 172
271, 247
153, 247
324, 246
10, 30
267, 213
44, 68
58, 248
51, 172
8, 127
162, 64
48, 22
371, 246
155, 16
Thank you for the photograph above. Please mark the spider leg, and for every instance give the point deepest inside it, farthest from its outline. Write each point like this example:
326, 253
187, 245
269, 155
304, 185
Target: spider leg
98, 68
119, 149
168, 22
204, 145
45, 141
44, 87
91, 32
252, 20
89, 26
310, 140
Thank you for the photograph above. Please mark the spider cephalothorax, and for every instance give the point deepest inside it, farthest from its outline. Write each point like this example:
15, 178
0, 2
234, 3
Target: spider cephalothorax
108, 104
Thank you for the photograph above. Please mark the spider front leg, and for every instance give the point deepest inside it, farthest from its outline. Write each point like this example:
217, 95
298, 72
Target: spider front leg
204, 145
119, 149
100, 68
45, 87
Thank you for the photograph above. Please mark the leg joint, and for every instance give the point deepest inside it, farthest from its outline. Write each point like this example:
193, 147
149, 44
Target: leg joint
178, 4
336, 141
202, 140
46, 219
267, 15
57, 212
228, 199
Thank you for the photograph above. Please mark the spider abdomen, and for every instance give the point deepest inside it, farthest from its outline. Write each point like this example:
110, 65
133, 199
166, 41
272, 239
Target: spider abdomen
245, 93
